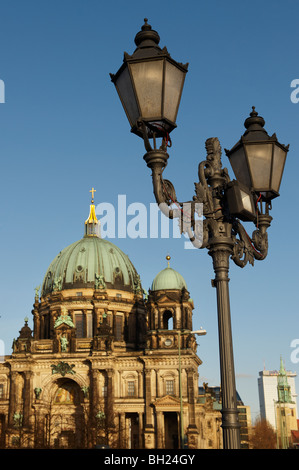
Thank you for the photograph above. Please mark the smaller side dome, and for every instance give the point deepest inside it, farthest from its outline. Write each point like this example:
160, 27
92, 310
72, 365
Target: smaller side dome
168, 278
25, 331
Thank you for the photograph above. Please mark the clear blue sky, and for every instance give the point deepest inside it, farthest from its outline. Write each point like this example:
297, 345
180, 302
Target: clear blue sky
62, 131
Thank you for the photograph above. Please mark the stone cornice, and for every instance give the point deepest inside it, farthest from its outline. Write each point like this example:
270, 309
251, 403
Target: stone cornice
158, 361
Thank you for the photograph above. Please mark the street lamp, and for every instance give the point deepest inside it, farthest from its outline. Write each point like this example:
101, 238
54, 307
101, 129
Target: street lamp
200, 332
257, 161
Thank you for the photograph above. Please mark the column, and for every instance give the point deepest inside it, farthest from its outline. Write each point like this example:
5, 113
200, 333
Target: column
12, 397
140, 430
140, 384
122, 431
110, 389
160, 429
36, 322
149, 430
191, 397
94, 391
27, 397
148, 398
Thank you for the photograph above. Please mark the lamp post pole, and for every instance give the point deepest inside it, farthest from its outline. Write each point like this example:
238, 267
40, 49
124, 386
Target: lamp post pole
220, 252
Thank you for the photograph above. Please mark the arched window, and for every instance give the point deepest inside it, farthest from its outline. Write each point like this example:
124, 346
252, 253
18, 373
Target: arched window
167, 320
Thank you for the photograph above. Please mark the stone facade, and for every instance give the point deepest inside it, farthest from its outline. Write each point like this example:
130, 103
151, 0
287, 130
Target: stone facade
105, 364
119, 386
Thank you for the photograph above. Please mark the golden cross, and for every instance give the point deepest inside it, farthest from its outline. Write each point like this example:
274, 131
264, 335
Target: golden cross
92, 191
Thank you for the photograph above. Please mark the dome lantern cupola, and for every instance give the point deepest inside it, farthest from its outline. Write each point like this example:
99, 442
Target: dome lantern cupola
92, 225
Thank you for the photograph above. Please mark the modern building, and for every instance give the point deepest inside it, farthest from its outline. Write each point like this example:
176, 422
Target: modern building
106, 363
278, 404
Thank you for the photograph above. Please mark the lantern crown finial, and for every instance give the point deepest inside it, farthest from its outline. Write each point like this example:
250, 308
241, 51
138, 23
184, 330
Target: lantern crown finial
147, 34
254, 122
146, 26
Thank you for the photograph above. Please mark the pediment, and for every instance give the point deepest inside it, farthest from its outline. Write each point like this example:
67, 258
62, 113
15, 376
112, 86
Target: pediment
65, 321
63, 327
167, 401
166, 298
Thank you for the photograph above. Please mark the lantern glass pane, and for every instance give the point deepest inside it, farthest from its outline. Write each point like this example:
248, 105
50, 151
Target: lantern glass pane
246, 201
174, 80
148, 79
279, 158
239, 165
259, 160
127, 96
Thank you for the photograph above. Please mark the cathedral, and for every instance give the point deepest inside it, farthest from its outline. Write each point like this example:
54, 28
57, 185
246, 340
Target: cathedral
107, 364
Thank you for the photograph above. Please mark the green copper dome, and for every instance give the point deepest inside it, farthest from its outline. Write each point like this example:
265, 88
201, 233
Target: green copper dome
91, 262
168, 278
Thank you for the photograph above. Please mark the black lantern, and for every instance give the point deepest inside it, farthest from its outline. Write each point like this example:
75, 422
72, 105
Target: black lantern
257, 159
150, 84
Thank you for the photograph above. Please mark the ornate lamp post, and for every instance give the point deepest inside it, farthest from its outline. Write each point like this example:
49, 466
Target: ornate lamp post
150, 84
